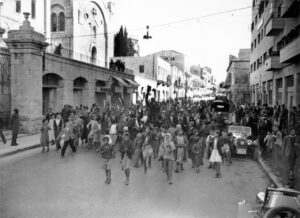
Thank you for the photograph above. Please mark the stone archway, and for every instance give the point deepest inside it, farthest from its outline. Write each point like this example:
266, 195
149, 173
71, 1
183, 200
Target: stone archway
52, 92
80, 91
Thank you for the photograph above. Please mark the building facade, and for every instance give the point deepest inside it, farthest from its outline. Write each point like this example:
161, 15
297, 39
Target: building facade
151, 73
79, 30
275, 51
34, 80
12, 15
237, 81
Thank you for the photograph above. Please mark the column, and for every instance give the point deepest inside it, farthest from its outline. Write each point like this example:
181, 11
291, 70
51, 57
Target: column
26, 47
255, 95
284, 92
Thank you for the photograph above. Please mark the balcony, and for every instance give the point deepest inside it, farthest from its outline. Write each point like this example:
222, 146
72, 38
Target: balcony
273, 63
274, 26
290, 52
290, 8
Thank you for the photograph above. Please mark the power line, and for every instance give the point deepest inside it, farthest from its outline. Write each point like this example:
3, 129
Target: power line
165, 24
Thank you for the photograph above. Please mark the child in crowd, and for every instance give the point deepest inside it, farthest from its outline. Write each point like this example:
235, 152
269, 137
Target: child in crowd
269, 141
44, 140
107, 153
126, 149
198, 153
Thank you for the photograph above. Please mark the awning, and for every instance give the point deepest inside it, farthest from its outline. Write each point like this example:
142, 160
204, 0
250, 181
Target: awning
121, 81
131, 82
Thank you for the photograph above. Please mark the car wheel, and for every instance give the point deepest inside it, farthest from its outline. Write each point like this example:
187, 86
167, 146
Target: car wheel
282, 212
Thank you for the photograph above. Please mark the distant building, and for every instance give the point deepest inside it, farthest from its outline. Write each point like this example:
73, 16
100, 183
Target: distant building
151, 73
237, 80
175, 58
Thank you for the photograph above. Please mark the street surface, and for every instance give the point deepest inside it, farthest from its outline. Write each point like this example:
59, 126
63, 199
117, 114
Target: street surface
43, 185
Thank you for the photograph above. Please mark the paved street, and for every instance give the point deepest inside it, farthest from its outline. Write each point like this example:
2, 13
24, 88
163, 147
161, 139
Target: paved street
35, 184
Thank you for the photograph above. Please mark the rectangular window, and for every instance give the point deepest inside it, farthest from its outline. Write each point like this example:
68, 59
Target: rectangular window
18, 6
33, 7
251, 46
258, 39
255, 43
142, 69
265, 57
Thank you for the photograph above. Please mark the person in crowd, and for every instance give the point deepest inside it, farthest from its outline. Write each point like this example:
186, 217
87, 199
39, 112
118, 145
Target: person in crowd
169, 149
226, 150
209, 145
138, 145
15, 125
107, 153
1, 131
94, 134
216, 154
291, 147
147, 148
57, 128
198, 153
113, 130
193, 139
44, 139
68, 136
51, 129
181, 143
269, 141
126, 149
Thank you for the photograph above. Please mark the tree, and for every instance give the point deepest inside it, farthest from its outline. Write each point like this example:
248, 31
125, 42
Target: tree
124, 46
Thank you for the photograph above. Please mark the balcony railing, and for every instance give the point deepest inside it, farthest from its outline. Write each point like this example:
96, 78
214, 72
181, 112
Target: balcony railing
290, 8
290, 52
274, 26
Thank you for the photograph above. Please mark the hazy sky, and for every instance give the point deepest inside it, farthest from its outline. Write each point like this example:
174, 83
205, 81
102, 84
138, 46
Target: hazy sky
206, 41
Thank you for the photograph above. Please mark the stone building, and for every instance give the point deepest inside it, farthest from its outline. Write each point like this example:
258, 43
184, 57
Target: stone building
237, 80
275, 52
79, 30
35, 80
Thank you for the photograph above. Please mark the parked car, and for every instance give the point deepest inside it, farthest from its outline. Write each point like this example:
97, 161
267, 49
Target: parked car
243, 142
273, 203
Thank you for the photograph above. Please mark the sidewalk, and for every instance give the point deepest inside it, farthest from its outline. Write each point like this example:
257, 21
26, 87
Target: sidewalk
276, 166
25, 143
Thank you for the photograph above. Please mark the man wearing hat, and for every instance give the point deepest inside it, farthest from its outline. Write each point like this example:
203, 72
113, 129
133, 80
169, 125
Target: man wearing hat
15, 124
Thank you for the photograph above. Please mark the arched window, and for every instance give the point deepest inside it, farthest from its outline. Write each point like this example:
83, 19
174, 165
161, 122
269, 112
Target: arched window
94, 55
61, 20
53, 22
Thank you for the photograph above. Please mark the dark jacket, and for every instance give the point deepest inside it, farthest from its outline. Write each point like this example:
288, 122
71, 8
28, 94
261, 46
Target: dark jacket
15, 123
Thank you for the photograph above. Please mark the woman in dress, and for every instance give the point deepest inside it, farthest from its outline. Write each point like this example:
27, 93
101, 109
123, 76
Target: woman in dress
51, 129
216, 154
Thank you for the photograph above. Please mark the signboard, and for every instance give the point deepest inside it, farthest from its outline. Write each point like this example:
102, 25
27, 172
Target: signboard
240, 131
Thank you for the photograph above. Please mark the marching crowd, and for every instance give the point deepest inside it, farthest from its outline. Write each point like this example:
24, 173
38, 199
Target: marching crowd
171, 132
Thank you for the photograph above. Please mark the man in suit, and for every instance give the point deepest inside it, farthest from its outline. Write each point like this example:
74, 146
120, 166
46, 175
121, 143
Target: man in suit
15, 124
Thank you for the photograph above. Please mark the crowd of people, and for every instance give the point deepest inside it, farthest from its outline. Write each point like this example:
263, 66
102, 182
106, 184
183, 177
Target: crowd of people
277, 130
171, 132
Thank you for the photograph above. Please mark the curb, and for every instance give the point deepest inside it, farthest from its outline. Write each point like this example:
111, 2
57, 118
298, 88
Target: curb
19, 150
274, 179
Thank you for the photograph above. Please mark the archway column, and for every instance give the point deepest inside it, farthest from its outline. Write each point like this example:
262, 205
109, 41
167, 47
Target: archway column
68, 92
26, 47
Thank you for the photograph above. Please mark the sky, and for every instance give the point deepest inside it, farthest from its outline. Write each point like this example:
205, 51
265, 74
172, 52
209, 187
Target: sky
206, 41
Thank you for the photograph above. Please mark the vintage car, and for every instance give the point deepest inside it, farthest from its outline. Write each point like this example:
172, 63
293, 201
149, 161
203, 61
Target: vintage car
221, 108
274, 203
243, 142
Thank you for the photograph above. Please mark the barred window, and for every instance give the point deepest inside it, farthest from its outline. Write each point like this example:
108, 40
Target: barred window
290, 81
